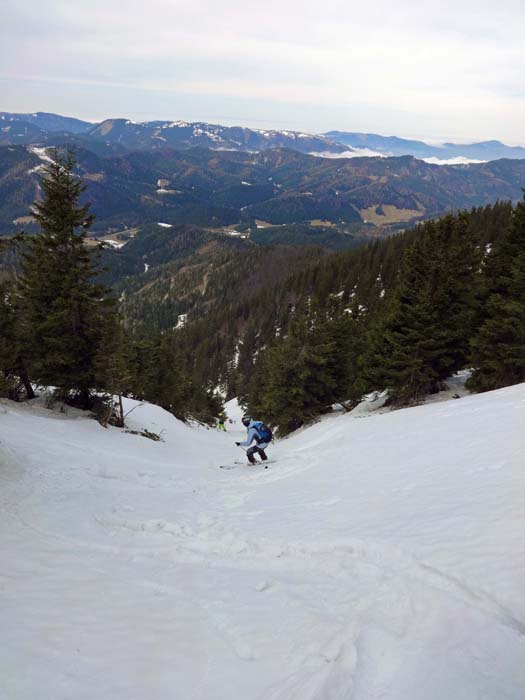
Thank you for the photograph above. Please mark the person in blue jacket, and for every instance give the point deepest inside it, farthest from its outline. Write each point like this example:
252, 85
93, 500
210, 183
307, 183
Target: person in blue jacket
258, 433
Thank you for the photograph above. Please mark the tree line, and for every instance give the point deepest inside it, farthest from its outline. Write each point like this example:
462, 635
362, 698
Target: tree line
290, 334
456, 303
61, 328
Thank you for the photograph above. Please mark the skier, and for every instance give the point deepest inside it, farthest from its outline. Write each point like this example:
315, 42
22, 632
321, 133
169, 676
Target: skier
222, 422
259, 433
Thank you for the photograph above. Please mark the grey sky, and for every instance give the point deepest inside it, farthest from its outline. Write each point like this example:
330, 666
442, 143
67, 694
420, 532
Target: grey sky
448, 69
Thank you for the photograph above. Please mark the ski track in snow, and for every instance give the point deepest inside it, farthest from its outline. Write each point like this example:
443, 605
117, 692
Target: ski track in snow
379, 558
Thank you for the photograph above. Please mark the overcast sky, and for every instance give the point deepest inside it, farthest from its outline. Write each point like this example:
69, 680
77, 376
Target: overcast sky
448, 69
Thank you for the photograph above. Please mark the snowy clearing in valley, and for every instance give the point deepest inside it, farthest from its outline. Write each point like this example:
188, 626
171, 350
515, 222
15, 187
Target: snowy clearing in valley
381, 556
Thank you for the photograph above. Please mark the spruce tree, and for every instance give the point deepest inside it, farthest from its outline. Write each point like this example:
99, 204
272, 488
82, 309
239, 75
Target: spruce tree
9, 351
426, 333
62, 307
160, 373
112, 372
14, 379
276, 394
498, 348
402, 355
296, 377
348, 330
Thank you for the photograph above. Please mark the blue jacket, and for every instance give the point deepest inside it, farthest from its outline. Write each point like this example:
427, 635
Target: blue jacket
253, 434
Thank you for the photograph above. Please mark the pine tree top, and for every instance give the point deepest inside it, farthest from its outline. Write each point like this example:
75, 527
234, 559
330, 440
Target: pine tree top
59, 213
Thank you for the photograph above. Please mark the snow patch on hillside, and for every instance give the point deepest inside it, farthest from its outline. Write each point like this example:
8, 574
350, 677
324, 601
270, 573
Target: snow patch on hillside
113, 244
182, 320
40, 153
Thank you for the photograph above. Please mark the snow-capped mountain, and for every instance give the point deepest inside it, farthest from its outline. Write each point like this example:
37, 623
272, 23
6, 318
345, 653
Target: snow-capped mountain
44, 128
122, 134
181, 134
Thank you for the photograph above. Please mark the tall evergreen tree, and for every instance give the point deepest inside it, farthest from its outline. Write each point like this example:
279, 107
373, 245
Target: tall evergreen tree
62, 308
348, 329
13, 372
299, 375
426, 333
159, 372
112, 372
9, 359
498, 349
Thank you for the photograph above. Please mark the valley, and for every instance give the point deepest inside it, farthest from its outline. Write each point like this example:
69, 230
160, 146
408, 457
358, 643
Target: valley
208, 188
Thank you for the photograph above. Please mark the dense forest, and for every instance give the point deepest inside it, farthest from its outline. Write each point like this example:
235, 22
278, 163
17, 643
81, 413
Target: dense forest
61, 327
290, 330
218, 189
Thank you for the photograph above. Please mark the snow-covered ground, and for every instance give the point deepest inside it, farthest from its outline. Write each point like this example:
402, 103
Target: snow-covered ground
381, 557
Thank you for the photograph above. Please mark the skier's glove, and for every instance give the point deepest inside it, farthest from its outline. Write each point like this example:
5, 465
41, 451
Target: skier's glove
237, 443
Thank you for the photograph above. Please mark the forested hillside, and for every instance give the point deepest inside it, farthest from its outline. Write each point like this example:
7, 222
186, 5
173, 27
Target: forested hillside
228, 306
196, 315
220, 189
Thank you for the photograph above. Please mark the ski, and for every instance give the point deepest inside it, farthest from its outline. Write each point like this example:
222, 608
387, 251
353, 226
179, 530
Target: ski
236, 465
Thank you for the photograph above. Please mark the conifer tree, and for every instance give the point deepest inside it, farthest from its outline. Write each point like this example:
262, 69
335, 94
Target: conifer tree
427, 330
457, 288
13, 371
348, 330
276, 393
160, 373
403, 353
9, 361
61, 306
296, 377
498, 348
112, 371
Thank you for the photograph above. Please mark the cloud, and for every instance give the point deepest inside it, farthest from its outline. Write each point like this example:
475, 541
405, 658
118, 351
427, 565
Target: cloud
351, 153
448, 69
459, 160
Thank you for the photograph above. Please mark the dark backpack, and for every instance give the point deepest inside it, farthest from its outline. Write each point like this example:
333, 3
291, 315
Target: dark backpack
265, 434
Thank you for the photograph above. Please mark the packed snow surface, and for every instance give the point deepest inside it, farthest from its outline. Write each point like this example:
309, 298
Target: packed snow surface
382, 556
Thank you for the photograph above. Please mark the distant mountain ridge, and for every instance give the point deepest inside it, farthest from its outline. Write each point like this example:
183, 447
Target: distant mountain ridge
113, 136
47, 121
182, 134
395, 146
49, 129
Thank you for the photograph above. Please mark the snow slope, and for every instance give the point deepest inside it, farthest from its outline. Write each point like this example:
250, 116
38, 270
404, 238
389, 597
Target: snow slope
381, 557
